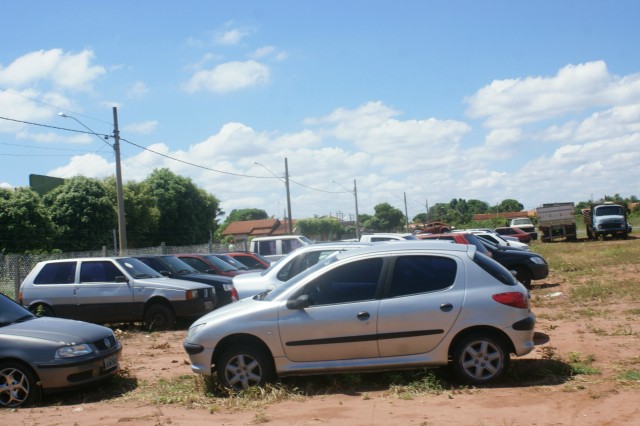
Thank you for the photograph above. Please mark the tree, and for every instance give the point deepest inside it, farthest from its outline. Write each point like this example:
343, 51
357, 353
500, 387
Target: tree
509, 205
324, 228
386, 219
83, 214
187, 213
24, 222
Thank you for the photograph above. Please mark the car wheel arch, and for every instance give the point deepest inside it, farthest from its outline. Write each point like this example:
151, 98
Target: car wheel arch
237, 340
486, 330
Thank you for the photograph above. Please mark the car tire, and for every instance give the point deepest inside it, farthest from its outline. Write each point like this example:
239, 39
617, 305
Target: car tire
478, 359
243, 366
41, 310
159, 317
18, 385
523, 275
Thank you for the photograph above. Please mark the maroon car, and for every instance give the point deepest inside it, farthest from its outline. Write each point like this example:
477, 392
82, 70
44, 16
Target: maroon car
250, 259
524, 237
210, 264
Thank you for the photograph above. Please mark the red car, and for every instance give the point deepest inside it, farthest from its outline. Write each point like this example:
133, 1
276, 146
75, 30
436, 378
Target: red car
524, 237
210, 264
250, 259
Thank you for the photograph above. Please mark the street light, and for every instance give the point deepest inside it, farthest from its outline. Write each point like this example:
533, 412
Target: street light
122, 226
289, 223
355, 195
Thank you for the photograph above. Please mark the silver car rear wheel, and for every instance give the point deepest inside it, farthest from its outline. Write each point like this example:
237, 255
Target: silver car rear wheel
17, 385
242, 367
480, 359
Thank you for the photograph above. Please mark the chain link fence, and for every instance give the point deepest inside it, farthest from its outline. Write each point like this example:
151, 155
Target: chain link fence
15, 267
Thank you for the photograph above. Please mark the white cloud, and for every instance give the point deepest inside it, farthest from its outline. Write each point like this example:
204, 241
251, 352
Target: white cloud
229, 77
231, 37
90, 165
64, 70
137, 90
575, 88
142, 128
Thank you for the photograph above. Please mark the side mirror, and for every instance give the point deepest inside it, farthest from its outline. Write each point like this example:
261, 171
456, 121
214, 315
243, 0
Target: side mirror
165, 274
299, 302
121, 279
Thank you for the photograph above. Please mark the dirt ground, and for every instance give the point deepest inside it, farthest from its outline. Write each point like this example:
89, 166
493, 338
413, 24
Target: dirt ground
611, 339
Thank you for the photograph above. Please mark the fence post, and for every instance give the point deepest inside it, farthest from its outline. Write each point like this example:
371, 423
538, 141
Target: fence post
16, 276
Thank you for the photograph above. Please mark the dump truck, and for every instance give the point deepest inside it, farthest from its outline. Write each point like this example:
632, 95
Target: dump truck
606, 219
557, 220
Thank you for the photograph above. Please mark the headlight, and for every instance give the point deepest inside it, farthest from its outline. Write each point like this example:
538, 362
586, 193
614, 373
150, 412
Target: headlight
191, 294
538, 260
194, 329
73, 351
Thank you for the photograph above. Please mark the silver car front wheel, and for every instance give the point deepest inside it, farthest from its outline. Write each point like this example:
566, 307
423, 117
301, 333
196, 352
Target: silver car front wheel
242, 367
480, 359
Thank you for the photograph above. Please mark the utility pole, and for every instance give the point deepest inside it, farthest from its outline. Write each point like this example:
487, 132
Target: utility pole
286, 183
122, 225
355, 194
406, 213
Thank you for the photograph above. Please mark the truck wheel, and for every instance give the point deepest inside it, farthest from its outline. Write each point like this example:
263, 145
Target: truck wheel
243, 366
523, 275
589, 234
159, 317
480, 358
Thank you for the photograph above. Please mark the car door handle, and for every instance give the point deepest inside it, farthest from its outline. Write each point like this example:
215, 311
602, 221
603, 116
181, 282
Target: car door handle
446, 307
363, 316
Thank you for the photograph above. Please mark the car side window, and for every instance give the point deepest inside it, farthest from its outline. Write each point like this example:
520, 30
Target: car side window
101, 271
57, 273
422, 274
267, 248
353, 282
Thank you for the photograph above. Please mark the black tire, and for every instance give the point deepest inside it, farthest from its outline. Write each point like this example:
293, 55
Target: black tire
243, 366
41, 310
479, 358
523, 275
18, 385
159, 317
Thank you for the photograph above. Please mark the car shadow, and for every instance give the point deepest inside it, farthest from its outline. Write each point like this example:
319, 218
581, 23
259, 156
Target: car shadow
111, 388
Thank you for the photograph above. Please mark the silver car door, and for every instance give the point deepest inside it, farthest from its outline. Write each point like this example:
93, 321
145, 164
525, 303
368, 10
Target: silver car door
423, 300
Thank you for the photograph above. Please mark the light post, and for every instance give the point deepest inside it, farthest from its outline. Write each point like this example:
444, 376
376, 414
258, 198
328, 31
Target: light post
122, 226
288, 223
355, 195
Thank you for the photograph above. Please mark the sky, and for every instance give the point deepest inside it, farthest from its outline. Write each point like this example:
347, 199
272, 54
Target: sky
414, 102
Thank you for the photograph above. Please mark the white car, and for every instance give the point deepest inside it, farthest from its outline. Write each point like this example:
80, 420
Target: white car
387, 306
499, 240
248, 285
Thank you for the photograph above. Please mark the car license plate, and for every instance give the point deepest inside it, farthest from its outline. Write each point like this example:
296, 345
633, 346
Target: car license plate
111, 362
208, 304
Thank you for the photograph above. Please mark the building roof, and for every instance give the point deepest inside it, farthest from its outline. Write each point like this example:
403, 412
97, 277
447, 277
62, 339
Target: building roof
256, 228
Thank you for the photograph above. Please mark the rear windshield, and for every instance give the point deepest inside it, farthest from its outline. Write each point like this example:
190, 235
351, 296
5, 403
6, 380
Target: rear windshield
494, 269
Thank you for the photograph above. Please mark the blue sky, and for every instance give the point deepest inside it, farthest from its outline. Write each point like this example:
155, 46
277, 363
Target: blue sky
536, 101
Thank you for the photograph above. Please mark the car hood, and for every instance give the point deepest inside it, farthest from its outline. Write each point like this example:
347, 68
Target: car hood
172, 283
57, 330
203, 278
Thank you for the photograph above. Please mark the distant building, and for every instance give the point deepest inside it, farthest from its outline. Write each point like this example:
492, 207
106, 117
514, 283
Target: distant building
243, 231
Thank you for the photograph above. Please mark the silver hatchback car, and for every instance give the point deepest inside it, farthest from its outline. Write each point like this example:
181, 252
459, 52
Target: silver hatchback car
392, 306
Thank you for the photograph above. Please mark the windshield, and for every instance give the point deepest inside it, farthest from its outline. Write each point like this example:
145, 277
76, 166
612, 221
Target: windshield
609, 211
178, 265
231, 261
220, 264
11, 311
521, 222
137, 269
271, 295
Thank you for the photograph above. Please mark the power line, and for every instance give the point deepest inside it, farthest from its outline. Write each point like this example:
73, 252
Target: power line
105, 136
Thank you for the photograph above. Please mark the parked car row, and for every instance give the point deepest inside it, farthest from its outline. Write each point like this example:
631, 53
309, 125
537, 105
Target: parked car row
325, 307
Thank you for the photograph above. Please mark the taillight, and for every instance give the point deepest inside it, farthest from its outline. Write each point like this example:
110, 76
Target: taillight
514, 299
234, 293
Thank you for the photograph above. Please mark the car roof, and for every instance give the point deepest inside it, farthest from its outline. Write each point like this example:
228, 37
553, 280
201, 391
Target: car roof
410, 246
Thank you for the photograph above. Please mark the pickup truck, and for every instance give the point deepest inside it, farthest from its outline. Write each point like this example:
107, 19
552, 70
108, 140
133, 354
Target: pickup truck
525, 224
